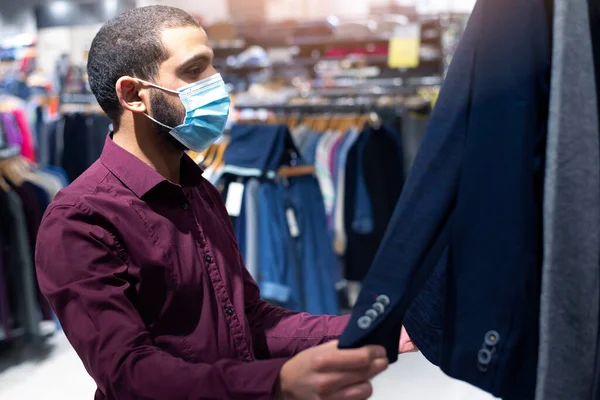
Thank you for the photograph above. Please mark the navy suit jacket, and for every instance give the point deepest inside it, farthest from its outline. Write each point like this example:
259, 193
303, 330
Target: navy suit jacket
470, 212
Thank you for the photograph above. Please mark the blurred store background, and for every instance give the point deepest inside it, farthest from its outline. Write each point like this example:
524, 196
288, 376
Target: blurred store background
320, 65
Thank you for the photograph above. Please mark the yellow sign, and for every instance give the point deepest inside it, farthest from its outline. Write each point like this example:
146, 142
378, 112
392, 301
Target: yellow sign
404, 47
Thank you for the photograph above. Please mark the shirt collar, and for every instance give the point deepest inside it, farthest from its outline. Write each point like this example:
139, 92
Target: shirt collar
139, 177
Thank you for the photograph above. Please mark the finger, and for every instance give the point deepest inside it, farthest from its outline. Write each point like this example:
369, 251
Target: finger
406, 343
348, 360
335, 381
378, 367
361, 391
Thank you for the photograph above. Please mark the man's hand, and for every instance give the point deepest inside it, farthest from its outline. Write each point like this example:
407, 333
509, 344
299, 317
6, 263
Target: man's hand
406, 344
328, 373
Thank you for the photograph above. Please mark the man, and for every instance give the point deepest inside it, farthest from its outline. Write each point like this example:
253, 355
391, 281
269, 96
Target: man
138, 257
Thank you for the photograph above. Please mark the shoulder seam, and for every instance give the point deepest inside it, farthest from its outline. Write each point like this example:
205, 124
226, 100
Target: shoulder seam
77, 203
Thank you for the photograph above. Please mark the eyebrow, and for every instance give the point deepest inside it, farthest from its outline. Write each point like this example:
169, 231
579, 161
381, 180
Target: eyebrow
205, 57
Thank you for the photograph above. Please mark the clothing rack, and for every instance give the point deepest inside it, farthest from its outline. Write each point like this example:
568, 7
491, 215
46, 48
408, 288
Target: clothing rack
324, 108
343, 180
26, 189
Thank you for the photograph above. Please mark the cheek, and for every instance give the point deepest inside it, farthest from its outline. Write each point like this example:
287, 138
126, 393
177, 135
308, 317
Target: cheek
180, 108
178, 111
175, 107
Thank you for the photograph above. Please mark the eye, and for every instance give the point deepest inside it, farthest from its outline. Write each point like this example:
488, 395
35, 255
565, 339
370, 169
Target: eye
195, 71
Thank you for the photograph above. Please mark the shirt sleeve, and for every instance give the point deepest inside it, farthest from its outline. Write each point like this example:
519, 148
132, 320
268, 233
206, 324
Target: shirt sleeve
90, 288
277, 332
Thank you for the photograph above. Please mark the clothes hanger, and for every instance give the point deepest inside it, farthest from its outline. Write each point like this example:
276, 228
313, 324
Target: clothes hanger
209, 155
16, 170
326, 121
309, 121
362, 121
320, 124
197, 157
299, 170
293, 120
220, 155
331, 123
346, 124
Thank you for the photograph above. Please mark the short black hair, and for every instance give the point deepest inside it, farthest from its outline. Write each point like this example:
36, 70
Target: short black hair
130, 45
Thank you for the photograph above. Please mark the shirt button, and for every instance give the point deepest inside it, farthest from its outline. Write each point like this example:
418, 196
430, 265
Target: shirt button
492, 338
185, 206
229, 311
207, 258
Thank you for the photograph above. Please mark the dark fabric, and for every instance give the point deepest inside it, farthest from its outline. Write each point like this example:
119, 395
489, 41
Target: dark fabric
384, 180
76, 151
83, 140
19, 263
149, 285
594, 7
474, 193
349, 207
35, 201
49, 148
11, 277
275, 140
32, 208
98, 128
594, 10
5, 309
33, 211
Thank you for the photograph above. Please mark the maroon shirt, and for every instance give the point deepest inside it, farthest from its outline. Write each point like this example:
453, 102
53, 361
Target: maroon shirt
148, 282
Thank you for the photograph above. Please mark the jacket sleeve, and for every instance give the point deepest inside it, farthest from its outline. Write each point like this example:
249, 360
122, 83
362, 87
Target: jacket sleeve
89, 287
278, 332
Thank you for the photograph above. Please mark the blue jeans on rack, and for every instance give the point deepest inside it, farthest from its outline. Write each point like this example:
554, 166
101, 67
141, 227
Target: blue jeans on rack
317, 261
278, 269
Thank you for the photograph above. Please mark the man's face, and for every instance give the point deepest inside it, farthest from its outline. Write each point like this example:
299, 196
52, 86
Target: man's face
190, 61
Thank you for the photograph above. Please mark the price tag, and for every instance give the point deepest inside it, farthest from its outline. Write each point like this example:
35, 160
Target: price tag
235, 196
405, 47
292, 223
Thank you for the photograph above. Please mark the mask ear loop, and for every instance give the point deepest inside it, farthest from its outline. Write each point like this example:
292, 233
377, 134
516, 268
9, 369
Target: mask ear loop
157, 86
158, 122
160, 88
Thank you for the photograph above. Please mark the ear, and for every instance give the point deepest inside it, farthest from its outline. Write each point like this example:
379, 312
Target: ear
132, 95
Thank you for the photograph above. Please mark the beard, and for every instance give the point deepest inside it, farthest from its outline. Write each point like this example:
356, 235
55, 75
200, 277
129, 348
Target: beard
163, 111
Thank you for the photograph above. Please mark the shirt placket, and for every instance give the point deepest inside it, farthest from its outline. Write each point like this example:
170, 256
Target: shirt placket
205, 252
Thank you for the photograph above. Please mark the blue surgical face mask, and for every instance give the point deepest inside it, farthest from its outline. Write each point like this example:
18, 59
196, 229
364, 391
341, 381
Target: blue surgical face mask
206, 105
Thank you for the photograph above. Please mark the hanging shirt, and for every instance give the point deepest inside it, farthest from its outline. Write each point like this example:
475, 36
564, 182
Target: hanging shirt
13, 137
309, 149
339, 226
149, 285
363, 206
323, 172
27, 147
